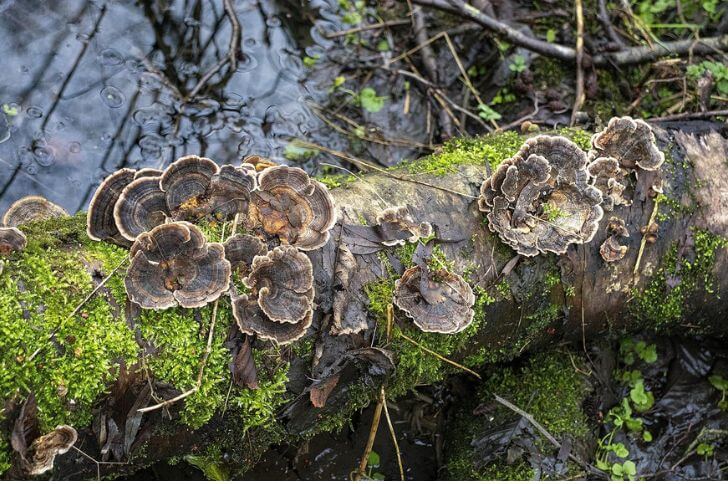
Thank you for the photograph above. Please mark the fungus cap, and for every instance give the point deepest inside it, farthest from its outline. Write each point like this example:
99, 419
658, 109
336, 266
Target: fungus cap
437, 302
230, 190
291, 206
283, 281
32, 208
259, 163
251, 319
43, 451
241, 249
11, 240
173, 264
100, 223
141, 207
611, 250
541, 199
186, 185
396, 226
629, 141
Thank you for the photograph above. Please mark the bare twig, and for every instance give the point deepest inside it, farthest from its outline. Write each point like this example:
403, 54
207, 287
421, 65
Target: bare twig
378, 25
579, 95
603, 18
361, 472
393, 435
233, 50
683, 116
643, 243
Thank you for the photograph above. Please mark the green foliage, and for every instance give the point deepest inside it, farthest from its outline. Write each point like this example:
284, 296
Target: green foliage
718, 70
531, 387
721, 384
488, 113
294, 151
552, 212
518, 65
310, 62
660, 305
370, 101
705, 449
372, 464
259, 406
625, 470
211, 465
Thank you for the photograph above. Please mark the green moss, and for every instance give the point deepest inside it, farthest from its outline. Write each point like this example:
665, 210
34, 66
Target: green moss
336, 180
661, 306
5, 456
580, 137
359, 396
532, 388
490, 149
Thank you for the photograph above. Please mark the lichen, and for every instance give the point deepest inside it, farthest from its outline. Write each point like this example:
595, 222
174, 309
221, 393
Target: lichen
661, 305
531, 387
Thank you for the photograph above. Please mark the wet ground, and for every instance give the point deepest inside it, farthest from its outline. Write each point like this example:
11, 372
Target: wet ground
87, 87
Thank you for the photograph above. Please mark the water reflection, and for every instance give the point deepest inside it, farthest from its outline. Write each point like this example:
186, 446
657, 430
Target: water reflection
90, 86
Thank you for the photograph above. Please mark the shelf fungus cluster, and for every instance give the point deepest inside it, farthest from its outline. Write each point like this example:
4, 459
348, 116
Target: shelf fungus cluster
396, 226
129, 202
172, 265
11, 240
552, 194
541, 199
280, 307
437, 301
625, 145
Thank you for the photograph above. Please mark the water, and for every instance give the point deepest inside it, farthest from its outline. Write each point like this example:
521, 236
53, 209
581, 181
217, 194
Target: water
87, 87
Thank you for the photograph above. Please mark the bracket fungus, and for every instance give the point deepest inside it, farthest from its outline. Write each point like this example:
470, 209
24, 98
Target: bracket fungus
31, 209
259, 163
630, 141
174, 265
540, 200
611, 250
11, 240
252, 320
283, 282
396, 225
241, 249
437, 301
140, 207
186, 184
230, 190
100, 223
293, 207
606, 175
43, 451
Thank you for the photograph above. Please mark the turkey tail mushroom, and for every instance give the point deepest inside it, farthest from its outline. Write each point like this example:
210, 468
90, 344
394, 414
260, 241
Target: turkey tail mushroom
251, 319
11, 240
100, 223
43, 451
630, 141
31, 209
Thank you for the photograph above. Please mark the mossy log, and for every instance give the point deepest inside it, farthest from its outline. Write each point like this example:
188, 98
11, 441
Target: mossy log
88, 362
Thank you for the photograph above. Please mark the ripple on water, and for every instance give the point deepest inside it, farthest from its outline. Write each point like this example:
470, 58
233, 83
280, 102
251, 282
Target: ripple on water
111, 57
34, 112
112, 97
44, 155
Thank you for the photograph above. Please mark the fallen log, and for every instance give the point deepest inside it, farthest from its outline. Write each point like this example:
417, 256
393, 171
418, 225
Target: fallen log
95, 362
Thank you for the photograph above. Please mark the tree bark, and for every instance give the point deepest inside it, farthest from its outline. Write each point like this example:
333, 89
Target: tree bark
589, 297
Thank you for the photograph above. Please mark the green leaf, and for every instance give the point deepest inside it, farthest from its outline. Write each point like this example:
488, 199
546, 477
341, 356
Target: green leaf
352, 18
648, 353
620, 450
378, 476
488, 113
705, 449
647, 436
383, 46
370, 101
551, 36
373, 460
718, 382
617, 469
310, 61
10, 110
629, 468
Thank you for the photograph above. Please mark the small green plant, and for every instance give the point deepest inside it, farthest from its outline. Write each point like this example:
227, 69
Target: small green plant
518, 65
718, 70
383, 46
630, 350
552, 212
705, 449
373, 464
10, 110
310, 62
488, 113
625, 470
369, 100
721, 384
643, 400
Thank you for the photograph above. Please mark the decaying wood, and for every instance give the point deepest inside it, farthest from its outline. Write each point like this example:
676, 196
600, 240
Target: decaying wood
599, 299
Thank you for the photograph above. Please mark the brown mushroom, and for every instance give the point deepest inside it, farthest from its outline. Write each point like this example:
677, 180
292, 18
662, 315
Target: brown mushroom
606, 176
258, 162
141, 207
650, 232
437, 301
100, 223
251, 319
186, 185
540, 200
291, 206
31, 209
241, 249
173, 264
283, 282
629, 141
396, 225
11, 240
43, 451
230, 190
611, 250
